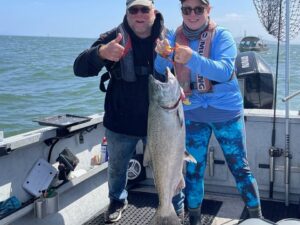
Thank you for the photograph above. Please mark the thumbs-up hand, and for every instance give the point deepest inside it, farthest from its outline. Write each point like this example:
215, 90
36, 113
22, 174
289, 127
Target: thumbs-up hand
112, 51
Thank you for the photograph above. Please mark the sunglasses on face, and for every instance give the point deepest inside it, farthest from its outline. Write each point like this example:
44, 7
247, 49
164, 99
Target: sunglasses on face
135, 10
188, 10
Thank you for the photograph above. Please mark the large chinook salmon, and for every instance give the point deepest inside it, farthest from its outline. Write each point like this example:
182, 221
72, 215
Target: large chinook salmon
165, 148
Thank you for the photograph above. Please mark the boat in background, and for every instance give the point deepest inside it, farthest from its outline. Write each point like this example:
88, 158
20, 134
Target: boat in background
252, 43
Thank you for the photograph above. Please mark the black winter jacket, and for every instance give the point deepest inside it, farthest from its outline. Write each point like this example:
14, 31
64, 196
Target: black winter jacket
126, 103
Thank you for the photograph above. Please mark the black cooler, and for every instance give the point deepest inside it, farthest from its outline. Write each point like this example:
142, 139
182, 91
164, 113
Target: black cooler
256, 80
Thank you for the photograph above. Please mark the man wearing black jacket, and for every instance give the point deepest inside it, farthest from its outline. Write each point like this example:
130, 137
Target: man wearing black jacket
127, 53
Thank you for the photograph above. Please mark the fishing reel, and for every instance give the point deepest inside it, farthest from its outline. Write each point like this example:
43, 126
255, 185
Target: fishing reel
67, 163
275, 152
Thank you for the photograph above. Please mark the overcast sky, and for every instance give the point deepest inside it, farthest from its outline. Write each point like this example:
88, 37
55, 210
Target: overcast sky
89, 18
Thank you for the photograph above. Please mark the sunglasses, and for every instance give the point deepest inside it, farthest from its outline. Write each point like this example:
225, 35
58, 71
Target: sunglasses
135, 10
188, 10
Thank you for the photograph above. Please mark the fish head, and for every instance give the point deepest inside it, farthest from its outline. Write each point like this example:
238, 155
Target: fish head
165, 93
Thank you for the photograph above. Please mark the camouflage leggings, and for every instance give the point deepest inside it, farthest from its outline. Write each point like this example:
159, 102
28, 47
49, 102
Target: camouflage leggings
231, 137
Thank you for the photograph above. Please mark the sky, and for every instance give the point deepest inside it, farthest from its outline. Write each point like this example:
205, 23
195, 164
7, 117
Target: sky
90, 18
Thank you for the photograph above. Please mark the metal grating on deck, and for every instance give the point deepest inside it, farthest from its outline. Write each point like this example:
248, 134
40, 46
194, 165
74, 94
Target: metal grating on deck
142, 206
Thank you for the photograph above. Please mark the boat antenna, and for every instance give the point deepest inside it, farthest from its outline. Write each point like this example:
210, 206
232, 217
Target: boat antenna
271, 15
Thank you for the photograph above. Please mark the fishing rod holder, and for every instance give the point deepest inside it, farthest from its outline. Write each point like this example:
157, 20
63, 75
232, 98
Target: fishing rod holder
288, 154
274, 152
211, 157
5, 150
285, 99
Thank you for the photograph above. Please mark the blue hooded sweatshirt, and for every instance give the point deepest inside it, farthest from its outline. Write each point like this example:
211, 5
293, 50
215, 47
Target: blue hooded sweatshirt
225, 101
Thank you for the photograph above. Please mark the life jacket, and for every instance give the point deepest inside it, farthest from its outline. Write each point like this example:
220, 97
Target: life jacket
183, 73
127, 63
127, 70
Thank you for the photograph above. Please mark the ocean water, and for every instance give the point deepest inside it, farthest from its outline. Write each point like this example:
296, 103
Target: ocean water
37, 80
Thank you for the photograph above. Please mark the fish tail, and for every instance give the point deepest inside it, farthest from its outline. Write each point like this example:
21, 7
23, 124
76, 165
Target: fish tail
171, 219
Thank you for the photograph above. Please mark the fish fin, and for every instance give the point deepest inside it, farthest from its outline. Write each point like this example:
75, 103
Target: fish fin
188, 157
186, 101
180, 186
147, 159
180, 116
184, 168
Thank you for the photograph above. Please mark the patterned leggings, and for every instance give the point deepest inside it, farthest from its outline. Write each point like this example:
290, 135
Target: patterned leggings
231, 137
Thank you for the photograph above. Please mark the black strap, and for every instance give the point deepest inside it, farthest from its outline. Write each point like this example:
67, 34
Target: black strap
115, 72
105, 77
213, 82
193, 85
142, 70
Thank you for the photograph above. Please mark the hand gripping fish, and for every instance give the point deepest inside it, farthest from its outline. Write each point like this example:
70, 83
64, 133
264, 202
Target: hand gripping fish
165, 148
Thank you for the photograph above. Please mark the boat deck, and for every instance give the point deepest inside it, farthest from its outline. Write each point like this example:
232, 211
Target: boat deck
142, 208
216, 210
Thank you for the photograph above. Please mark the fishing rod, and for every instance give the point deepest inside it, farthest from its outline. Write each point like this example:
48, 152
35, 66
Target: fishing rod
273, 151
273, 24
287, 153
